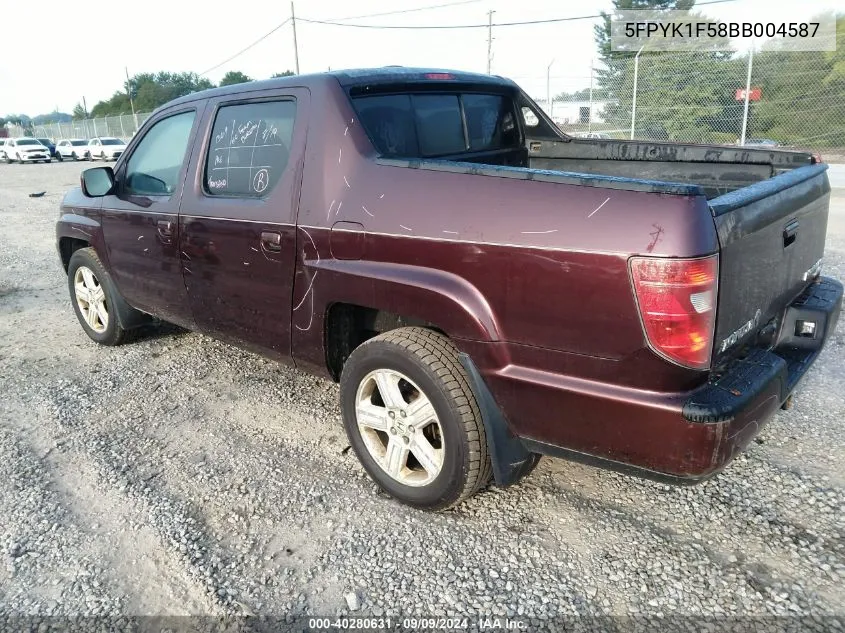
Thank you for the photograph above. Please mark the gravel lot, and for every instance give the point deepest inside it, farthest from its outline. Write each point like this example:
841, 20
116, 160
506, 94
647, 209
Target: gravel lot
178, 475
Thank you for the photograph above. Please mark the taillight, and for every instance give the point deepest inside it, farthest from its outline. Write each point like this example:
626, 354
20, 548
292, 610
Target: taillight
677, 303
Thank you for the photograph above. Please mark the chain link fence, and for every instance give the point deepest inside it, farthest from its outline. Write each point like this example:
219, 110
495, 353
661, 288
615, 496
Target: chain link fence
123, 126
796, 99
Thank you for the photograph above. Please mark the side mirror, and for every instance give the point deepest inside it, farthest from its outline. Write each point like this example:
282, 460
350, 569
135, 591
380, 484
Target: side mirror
97, 182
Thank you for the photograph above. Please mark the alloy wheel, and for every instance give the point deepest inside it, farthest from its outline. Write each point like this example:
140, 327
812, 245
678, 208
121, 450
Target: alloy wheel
399, 427
91, 299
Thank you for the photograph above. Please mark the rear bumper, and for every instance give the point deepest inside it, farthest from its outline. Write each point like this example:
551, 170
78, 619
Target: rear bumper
680, 437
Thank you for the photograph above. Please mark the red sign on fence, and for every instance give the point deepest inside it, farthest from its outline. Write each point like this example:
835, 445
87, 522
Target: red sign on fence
753, 95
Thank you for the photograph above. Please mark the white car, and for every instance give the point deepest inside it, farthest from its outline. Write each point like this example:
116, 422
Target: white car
72, 148
25, 150
3, 142
105, 148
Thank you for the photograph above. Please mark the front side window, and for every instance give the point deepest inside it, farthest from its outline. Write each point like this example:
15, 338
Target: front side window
250, 148
156, 162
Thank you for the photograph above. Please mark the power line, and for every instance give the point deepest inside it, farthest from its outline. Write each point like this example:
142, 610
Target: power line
244, 50
426, 8
488, 25
472, 26
357, 17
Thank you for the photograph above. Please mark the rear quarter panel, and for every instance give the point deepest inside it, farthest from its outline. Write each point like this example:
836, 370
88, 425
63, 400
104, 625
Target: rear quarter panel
549, 261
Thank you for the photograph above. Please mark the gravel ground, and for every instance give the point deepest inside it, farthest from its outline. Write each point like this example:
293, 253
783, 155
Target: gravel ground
179, 475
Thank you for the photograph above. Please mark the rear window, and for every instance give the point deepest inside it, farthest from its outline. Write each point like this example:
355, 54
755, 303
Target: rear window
78, 143
409, 125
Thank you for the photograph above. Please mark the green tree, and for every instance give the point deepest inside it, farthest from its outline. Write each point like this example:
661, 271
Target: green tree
287, 73
149, 91
234, 77
79, 112
681, 95
803, 95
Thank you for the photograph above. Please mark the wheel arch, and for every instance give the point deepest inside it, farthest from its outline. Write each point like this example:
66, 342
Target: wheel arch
369, 298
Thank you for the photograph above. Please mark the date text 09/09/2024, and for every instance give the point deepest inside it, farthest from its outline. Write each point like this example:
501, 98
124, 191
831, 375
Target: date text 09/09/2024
414, 624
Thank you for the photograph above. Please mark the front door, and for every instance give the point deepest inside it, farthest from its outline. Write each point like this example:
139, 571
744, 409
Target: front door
140, 220
237, 223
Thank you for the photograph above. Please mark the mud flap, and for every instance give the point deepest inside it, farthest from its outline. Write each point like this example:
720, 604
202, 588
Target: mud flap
511, 459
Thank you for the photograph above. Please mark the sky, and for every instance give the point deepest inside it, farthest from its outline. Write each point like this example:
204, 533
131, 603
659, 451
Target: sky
192, 35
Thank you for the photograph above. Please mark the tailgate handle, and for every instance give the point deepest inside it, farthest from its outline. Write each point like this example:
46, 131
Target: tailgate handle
790, 233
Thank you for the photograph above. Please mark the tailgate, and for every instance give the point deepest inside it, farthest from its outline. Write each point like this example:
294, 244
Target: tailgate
772, 237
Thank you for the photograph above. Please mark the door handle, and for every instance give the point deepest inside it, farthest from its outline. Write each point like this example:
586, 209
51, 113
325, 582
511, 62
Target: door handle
165, 230
271, 241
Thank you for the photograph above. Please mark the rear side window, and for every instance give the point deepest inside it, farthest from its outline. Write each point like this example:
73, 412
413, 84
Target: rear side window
390, 121
250, 148
410, 125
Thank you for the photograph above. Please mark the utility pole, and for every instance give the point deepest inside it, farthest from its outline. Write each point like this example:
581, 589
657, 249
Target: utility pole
295, 46
489, 39
129, 93
590, 115
747, 94
548, 89
85, 120
634, 101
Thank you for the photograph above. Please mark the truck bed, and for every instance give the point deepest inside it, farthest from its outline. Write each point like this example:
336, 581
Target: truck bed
716, 169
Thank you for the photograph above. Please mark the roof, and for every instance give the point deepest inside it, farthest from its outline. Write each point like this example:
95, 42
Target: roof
386, 74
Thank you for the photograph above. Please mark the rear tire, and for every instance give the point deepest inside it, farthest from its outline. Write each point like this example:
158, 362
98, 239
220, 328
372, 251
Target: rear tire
95, 298
424, 443
59, 157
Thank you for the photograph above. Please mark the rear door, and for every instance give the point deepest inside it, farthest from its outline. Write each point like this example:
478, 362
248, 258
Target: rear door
238, 218
772, 237
140, 221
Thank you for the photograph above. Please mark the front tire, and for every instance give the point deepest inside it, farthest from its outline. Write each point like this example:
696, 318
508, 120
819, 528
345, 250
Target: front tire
94, 298
59, 157
412, 419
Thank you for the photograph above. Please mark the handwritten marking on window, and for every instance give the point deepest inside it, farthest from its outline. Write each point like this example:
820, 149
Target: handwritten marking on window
260, 180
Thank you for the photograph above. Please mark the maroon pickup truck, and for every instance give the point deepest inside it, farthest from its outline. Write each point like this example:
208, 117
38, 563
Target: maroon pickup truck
485, 288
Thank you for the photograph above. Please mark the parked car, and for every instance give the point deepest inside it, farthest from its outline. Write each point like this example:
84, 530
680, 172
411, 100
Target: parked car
3, 142
73, 148
648, 309
49, 145
762, 142
105, 148
593, 135
25, 150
